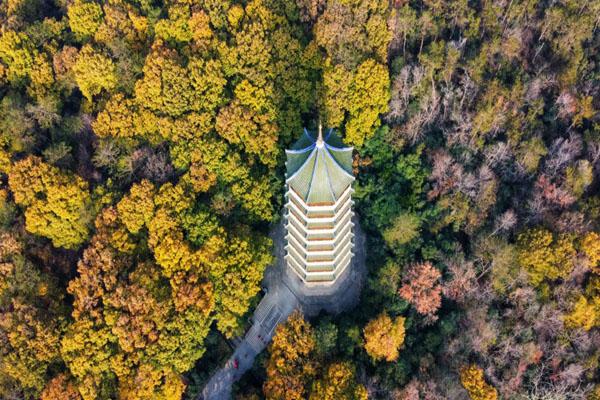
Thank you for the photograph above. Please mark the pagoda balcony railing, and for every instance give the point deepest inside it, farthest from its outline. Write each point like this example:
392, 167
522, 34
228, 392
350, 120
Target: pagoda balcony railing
307, 223
333, 259
319, 274
316, 269
309, 246
309, 256
325, 244
298, 213
322, 234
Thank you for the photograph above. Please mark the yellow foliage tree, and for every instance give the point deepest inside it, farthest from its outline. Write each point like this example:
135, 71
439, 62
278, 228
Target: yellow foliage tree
117, 119
87, 349
384, 337
200, 178
357, 98
31, 319
84, 18
236, 274
176, 27
595, 393
368, 99
586, 309
339, 383
350, 31
165, 87
41, 77
585, 313
134, 332
17, 54
57, 205
94, 72
137, 208
543, 256
474, 382
243, 125
336, 86
590, 246
149, 383
166, 239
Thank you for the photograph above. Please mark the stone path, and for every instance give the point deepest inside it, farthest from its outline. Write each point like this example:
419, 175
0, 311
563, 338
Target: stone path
278, 303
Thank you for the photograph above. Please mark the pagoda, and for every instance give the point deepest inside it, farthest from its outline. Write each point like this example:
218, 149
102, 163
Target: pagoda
318, 210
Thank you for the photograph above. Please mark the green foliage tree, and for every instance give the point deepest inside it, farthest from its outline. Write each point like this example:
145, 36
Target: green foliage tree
404, 228
326, 334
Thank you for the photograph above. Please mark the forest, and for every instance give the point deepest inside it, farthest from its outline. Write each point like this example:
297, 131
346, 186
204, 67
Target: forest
142, 168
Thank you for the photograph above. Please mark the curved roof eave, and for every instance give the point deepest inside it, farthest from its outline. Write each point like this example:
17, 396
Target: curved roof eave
324, 162
301, 166
300, 151
349, 148
339, 166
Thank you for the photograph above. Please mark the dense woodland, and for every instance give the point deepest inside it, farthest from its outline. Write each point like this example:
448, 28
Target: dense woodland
142, 164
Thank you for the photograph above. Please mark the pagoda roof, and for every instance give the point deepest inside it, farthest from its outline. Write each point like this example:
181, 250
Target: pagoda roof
319, 169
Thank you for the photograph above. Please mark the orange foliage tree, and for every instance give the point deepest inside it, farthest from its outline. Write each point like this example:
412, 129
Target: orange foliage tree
289, 368
60, 387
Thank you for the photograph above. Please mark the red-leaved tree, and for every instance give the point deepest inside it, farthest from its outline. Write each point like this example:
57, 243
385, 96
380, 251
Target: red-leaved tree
422, 289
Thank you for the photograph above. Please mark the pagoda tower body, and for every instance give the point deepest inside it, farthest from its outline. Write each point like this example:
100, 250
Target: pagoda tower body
318, 217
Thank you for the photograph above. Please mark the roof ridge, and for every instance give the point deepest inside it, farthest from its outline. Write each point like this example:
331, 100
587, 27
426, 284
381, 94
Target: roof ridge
312, 177
329, 178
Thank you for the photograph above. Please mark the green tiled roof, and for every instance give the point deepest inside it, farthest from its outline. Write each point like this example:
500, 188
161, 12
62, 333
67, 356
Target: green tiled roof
319, 172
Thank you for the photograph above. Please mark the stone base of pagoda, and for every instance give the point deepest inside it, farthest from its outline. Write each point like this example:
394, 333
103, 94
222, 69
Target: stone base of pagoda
332, 297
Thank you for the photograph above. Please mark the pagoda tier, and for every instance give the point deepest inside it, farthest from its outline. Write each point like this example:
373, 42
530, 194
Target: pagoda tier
319, 208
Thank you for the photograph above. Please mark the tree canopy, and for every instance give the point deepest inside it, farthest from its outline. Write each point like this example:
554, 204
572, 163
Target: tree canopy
142, 171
